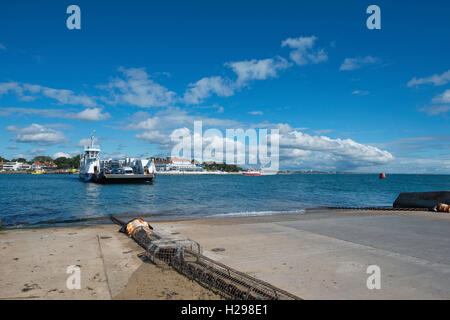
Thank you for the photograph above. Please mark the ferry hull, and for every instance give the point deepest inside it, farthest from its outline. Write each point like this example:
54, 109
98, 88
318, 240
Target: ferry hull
87, 177
116, 178
123, 178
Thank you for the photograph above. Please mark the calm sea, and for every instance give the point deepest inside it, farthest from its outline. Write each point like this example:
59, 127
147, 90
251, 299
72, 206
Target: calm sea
37, 200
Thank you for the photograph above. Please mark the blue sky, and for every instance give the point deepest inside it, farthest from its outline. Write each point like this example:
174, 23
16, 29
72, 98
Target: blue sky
138, 70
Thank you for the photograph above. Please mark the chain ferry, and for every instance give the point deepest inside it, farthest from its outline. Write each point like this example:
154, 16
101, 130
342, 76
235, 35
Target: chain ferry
128, 170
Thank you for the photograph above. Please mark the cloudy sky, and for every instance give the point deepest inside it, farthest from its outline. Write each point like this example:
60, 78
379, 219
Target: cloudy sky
343, 97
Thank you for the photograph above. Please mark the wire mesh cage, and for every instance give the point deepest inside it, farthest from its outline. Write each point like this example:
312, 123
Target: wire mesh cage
226, 281
167, 250
185, 257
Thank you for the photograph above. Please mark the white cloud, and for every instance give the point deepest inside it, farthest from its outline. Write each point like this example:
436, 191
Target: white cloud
322, 131
36, 151
206, 87
213, 145
257, 69
435, 110
37, 134
154, 136
61, 155
74, 152
157, 129
426, 165
2, 47
338, 151
147, 124
357, 63
89, 114
297, 149
303, 52
441, 104
256, 113
300, 150
245, 70
414, 154
85, 142
360, 92
94, 114
164, 122
20, 155
56, 113
442, 98
435, 79
28, 92
6, 87
136, 89
416, 145
67, 97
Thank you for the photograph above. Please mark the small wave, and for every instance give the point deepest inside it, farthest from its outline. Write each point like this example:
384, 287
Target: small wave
45, 223
99, 219
69, 221
257, 213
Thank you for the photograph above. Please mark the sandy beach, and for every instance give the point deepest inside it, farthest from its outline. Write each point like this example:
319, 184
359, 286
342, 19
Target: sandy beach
317, 255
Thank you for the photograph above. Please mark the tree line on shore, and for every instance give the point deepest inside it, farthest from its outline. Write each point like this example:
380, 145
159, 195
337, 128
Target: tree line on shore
213, 166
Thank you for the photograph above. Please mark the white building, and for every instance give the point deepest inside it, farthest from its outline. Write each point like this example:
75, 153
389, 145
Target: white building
177, 164
36, 165
26, 166
14, 166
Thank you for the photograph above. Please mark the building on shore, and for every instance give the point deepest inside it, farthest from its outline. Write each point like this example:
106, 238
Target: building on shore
177, 164
36, 166
23, 166
26, 166
49, 165
12, 166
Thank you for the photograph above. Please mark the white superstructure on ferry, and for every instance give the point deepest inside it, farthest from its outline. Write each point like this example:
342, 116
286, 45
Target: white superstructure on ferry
90, 161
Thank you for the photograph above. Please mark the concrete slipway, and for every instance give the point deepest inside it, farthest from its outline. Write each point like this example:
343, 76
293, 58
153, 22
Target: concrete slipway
317, 255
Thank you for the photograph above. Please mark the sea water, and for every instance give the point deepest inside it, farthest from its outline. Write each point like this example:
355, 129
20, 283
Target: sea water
39, 200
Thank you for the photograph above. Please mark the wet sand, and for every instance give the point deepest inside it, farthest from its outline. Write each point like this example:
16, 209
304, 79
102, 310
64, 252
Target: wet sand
163, 283
317, 255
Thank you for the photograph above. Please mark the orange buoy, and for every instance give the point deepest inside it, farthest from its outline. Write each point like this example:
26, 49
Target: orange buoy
382, 176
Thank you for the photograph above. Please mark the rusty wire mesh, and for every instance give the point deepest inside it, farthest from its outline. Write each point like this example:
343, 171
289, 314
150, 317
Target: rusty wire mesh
165, 250
186, 258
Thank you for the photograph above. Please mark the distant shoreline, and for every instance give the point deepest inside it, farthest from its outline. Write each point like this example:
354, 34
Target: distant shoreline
169, 173
158, 173
24, 172
240, 173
